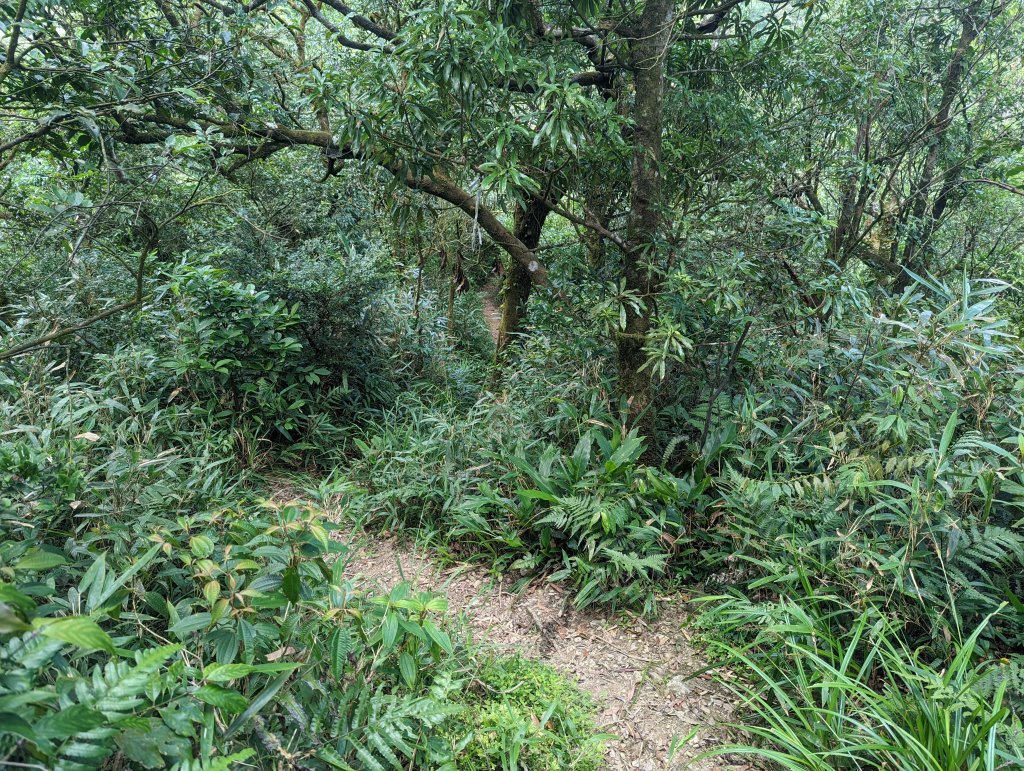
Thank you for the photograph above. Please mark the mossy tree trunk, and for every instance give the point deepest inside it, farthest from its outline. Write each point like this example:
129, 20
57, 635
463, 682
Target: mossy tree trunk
643, 224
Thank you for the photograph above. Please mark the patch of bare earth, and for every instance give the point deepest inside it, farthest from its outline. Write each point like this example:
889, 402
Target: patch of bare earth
635, 669
492, 308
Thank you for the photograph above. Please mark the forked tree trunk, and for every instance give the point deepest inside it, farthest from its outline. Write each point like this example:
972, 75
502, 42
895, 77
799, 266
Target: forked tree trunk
527, 226
643, 224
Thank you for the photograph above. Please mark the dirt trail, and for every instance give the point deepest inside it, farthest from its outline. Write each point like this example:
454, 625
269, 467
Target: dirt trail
635, 669
489, 294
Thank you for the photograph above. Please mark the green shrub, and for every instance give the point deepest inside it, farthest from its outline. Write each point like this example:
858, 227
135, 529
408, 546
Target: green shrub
342, 315
230, 348
892, 475
595, 516
611, 524
266, 648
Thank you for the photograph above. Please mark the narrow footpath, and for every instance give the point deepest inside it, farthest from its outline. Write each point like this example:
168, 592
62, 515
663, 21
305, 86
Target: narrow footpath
635, 669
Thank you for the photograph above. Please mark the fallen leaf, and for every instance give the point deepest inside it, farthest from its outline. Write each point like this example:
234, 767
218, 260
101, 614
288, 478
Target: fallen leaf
275, 655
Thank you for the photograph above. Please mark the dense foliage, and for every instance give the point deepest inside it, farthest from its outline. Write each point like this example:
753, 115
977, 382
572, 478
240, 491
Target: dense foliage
721, 296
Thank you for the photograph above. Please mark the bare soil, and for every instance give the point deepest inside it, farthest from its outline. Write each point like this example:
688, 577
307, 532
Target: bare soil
635, 669
489, 295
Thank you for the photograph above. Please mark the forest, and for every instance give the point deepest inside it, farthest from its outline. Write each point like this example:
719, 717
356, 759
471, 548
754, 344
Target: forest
512, 384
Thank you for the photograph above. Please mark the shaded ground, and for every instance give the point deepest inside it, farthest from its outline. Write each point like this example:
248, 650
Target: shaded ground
635, 669
490, 295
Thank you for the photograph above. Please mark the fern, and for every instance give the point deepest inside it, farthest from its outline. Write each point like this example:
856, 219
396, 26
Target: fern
120, 688
223, 763
113, 692
978, 564
381, 727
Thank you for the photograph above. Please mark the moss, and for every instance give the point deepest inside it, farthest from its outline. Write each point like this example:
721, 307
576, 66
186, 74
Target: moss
524, 714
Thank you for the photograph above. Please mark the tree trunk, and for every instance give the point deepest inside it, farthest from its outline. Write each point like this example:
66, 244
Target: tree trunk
643, 224
599, 202
915, 250
853, 197
528, 223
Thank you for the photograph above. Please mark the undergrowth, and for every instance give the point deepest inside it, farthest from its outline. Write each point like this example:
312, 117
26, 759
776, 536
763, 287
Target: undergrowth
157, 612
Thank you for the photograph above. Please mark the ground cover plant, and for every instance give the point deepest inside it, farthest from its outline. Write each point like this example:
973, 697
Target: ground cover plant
643, 302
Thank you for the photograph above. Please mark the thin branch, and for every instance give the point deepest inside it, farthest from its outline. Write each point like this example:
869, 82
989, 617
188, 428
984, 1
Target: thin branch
723, 383
151, 239
361, 21
995, 183
339, 36
17, 350
12, 45
589, 222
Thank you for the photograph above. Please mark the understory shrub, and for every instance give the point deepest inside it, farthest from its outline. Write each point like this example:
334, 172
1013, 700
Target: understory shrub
343, 314
527, 715
234, 636
264, 651
592, 514
882, 461
155, 613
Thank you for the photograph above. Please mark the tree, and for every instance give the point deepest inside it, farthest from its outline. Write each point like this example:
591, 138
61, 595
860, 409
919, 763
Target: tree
638, 124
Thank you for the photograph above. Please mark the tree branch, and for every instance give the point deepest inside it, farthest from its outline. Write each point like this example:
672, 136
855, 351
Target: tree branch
339, 36
17, 350
12, 45
361, 21
995, 183
436, 183
152, 236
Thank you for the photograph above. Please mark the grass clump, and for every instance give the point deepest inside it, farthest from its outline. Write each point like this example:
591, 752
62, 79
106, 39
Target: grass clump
525, 714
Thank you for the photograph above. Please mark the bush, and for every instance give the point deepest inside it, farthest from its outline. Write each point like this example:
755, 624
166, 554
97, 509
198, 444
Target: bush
343, 316
610, 524
894, 476
267, 649
232, 635
151, 613
594, 515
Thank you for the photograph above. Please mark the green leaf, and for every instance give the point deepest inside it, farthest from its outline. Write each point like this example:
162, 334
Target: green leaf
11, 596
291, 585
98, 596
201, 546
339, 646
37, 559
389, 631
947, 434
148, 744
10, 623
332, 758
80, 631
68, 722
438, 636
222, 698
257, 704
222, 673
191, 624
538, 495
408, 667
12, 724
